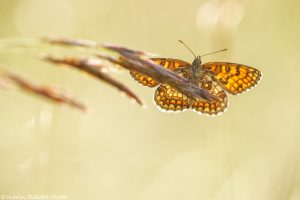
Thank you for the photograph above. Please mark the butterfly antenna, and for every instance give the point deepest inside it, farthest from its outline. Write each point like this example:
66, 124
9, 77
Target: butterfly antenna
214, 52
187, 48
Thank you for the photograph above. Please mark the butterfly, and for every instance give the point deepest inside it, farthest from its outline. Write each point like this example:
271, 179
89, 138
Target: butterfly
215, 77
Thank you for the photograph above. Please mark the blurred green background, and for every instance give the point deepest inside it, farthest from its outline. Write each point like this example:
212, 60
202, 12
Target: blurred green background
121, 151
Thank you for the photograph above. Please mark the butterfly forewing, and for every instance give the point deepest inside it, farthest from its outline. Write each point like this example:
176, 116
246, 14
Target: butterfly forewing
143, 79
234, 78
169, 63
209, 83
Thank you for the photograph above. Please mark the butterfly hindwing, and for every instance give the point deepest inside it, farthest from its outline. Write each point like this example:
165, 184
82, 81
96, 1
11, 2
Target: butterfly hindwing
169, 99
209, 83
234, 78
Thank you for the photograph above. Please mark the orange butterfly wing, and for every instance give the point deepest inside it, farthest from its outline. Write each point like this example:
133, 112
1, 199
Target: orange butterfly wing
169, 63
208, 82
234, 78
169, 99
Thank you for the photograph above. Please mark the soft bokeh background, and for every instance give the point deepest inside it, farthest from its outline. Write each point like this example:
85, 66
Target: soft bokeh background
121, 151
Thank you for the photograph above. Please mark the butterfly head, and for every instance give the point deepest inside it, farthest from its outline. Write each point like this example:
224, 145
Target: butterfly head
197, 60
196, 63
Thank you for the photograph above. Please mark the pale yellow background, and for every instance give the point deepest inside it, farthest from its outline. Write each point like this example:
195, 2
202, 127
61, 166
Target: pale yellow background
121, 151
